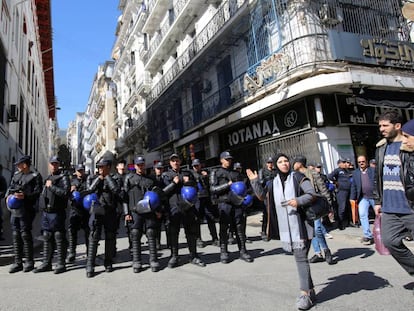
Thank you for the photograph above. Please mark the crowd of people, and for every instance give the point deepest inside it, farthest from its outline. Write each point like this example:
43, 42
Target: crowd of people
177, 197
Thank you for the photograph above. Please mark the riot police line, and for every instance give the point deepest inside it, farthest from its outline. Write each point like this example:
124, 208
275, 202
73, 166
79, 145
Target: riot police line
176, 198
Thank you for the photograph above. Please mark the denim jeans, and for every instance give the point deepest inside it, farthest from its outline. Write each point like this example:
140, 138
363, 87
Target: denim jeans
318, 240
363, 209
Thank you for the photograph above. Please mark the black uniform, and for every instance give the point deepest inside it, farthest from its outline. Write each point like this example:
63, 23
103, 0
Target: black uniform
21, 220
229, 212
179, 213
135, 187
159, 182
205, 208
78, 218
105, 217
120, 180
265, 176
53, 201
342, 178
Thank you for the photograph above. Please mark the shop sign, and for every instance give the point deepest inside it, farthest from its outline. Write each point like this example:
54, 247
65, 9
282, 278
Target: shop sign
279, 122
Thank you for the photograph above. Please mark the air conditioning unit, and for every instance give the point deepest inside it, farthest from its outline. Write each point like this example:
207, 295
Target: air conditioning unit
12, 113
330, 15
206, 86
174, 134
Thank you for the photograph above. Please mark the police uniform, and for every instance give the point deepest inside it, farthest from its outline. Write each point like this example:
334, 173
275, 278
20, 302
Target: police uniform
181, 212
53, 201
21, 220
229, 211
78, 216
103, 216
266, 176
143, 220
204, 206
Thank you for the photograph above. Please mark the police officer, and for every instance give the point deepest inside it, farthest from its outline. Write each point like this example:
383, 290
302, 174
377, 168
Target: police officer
230, 210
25, 188
341, 176
53, 201
78, 216
181, 211
203, 205
143, 217
102, 215
119, 176
266, 175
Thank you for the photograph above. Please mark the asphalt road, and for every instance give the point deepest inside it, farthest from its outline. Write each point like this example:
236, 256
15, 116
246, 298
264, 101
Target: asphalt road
361, 280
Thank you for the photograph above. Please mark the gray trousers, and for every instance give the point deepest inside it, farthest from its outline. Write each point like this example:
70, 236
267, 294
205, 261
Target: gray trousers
302, 263
393, 227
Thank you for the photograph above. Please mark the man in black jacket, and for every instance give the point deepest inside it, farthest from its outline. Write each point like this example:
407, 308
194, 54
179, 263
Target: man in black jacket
25, 186
394, 160
103, 216
230, 211
53, 201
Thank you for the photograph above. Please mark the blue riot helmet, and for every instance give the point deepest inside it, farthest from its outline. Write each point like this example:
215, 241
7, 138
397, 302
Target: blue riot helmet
237, 192
248, 200
189, 197
76, 197
149, 203
14, 203
89, 200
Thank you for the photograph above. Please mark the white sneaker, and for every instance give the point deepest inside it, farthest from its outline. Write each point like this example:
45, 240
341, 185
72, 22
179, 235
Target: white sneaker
328, 236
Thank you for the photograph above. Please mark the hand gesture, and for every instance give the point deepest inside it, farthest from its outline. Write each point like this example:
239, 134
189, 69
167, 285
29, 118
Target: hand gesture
251, 175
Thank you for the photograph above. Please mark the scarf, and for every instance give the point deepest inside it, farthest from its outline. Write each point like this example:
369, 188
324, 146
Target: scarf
287, 217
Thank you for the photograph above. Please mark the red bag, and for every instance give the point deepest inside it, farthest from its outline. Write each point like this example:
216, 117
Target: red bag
379, 246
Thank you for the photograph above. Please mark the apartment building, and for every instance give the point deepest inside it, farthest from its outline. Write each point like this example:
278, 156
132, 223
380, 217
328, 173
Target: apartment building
259, 76
27, 100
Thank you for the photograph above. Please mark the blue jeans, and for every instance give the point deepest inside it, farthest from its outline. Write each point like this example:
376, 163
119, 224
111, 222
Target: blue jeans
363, 209
319, 241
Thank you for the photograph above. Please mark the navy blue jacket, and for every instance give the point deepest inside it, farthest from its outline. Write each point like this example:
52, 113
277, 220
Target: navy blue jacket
356, 185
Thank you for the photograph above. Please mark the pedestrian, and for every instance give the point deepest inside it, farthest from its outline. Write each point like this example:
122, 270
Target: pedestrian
78, 216
362, 187
103, 216
24, 189
230, 206
203, 205
341, 176
319, 243
3, 189
53, 202
394, 184
143, 218
287, 195
266, 175
181, 210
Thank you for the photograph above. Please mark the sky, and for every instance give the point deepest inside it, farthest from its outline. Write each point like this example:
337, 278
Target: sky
83, 37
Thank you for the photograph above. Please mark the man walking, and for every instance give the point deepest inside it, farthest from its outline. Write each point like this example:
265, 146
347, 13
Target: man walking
362, 187
394, 181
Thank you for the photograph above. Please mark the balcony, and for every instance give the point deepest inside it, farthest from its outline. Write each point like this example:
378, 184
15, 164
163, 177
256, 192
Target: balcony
156, 12
144, 84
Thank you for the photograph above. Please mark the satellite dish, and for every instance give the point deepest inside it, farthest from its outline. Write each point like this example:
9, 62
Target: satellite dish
408, 11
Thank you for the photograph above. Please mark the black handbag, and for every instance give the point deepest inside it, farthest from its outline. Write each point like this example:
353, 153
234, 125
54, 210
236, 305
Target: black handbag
318, 208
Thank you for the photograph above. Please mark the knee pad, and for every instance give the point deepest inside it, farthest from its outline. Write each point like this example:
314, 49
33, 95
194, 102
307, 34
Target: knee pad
59, 236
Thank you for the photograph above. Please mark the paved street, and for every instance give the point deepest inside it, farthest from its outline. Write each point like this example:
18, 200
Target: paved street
362, 280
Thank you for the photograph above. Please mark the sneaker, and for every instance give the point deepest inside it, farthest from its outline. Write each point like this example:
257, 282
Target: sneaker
304, 302
316, 258
328, 236
367, 241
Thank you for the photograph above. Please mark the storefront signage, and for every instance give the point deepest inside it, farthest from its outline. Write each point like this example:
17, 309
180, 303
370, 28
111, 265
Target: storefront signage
279, 122
368, 50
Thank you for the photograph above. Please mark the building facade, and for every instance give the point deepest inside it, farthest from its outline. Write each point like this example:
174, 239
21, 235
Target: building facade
27, 100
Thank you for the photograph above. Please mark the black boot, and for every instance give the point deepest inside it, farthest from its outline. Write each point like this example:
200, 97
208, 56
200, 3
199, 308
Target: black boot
213, 232
27, 238
241, 241
224, 254
328, 257
73, 241
174, 261
92, 249
192, 246
136, 250
61, 252
110, 246
18, 253
152, 244
47, 253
